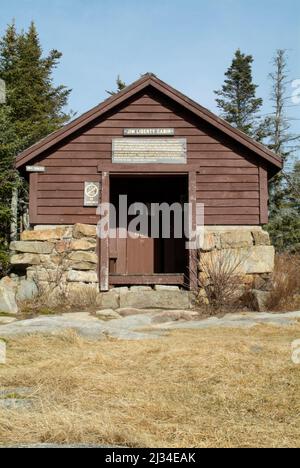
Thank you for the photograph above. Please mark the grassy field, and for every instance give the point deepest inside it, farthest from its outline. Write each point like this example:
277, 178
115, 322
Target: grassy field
211, 388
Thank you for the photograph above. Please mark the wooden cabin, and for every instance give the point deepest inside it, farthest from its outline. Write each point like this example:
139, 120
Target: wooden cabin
153, 144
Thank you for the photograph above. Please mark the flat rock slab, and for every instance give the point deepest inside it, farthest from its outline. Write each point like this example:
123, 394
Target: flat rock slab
247, 320
5, 320
90, 328
137, 327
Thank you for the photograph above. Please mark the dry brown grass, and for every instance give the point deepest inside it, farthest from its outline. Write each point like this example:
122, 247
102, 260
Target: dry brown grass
285, 293
210, 388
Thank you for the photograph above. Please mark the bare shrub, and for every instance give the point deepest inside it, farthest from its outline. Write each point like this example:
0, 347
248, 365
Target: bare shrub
55, 294
285, 292
220, 278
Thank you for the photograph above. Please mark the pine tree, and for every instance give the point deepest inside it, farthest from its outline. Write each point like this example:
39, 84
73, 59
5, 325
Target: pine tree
237, 99
120, 86
34, 108
284, 226
37, 105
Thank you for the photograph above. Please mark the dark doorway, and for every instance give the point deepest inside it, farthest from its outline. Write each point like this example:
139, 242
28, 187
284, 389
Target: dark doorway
140, 253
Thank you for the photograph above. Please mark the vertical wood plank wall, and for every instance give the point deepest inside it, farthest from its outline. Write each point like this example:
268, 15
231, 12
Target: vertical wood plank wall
230, 181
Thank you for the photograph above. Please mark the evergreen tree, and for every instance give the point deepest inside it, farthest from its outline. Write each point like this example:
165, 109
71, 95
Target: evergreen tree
120, 86
37, 105
284, 226
237, 99
34, 108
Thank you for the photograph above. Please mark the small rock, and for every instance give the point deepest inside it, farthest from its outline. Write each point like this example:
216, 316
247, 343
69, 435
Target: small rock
84, 257
82, 276
84, 230
128, 312
85, 266
25, 259
14, 403
5, 320
261, 237
174, 316
109, 300
83, 244
259, 299
27, 290
162, 287
107, 314
140, 288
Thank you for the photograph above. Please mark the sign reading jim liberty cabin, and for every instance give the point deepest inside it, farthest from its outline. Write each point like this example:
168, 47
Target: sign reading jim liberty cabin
149, 151
149, 131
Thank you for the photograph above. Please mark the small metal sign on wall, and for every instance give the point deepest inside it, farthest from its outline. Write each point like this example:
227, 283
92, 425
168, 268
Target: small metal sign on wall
91, 193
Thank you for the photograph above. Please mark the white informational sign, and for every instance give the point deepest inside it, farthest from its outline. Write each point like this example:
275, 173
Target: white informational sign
35, 169
149, 151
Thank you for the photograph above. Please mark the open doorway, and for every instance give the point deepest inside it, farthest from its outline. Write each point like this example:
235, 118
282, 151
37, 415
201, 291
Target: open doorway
142, 255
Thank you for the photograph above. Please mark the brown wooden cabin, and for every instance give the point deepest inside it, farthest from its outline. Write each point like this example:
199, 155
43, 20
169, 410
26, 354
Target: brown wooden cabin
224, 169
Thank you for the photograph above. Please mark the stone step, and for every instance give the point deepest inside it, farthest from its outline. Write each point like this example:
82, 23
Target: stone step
145, 299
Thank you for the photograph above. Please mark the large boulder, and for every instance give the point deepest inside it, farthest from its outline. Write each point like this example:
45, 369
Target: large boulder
250, 261
34, 247
8, 303
156, 300
84, 230
236, 239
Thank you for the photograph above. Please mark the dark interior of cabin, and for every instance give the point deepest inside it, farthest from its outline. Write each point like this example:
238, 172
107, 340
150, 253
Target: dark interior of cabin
140, 253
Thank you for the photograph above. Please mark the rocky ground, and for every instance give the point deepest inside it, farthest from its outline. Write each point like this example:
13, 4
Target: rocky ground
131, 324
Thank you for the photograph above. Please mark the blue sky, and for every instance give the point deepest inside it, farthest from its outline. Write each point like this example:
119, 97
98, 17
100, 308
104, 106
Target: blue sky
187, 43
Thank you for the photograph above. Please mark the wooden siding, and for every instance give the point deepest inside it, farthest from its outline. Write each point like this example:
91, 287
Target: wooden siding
229, 179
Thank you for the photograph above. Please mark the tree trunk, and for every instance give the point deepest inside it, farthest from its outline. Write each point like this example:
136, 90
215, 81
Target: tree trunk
14, 213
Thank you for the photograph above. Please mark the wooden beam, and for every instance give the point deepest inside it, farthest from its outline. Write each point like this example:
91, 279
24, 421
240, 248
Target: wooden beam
148, 168
33, 196
193, 255
104, 243
150, 280
264, 195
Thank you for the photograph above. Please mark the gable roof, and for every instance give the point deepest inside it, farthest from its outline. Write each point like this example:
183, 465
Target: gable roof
149, 80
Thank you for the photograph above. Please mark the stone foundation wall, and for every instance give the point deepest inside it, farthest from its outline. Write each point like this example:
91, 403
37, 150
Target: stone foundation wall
244, 251
64, 259
59, 255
